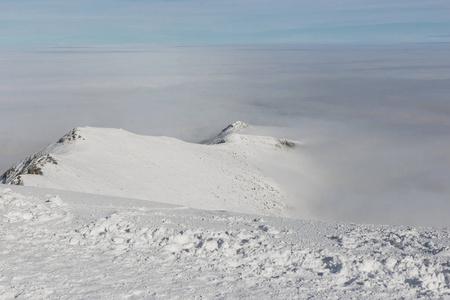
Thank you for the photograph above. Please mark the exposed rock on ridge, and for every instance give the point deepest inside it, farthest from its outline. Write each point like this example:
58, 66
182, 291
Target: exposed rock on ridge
33, 164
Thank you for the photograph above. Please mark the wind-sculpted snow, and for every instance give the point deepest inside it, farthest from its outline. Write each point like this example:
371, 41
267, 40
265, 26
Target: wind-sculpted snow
57, 244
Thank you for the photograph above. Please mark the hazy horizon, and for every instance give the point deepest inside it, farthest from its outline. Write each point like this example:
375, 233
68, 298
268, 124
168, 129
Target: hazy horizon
223, 22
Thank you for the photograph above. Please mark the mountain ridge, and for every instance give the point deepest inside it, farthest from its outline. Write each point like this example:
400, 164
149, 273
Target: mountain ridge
222, 174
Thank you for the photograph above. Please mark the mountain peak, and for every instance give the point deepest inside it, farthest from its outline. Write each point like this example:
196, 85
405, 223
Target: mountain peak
239, 130
238, 125
33, 164
221, 138
72, 136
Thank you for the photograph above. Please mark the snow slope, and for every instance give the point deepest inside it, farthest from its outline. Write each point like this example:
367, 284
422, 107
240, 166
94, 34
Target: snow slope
224, 174
66, 234
64, 245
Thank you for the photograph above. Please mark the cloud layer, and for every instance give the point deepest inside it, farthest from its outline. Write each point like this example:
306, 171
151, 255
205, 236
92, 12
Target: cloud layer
374, 121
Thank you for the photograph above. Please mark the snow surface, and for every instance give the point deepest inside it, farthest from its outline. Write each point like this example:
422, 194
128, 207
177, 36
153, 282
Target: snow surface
224, 174
64, 245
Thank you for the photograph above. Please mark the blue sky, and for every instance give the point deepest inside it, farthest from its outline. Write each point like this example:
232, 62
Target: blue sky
223, 21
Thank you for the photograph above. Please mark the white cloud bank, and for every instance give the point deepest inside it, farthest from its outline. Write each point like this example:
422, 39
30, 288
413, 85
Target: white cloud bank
374, 120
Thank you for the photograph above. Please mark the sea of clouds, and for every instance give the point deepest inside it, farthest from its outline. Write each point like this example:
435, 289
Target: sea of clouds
373, 121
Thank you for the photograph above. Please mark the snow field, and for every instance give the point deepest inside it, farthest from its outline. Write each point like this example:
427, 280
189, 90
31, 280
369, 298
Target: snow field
62, 245
118, 163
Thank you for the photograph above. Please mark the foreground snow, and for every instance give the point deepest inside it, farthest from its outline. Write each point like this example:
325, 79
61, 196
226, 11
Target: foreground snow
59, 244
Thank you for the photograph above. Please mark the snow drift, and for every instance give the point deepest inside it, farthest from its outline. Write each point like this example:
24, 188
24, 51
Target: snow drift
57, 244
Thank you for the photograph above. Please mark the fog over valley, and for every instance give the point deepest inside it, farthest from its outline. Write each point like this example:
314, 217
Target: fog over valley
372, 121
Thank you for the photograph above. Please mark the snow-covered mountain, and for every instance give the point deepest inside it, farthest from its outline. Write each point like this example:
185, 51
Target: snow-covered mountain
59, 240
223, 174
